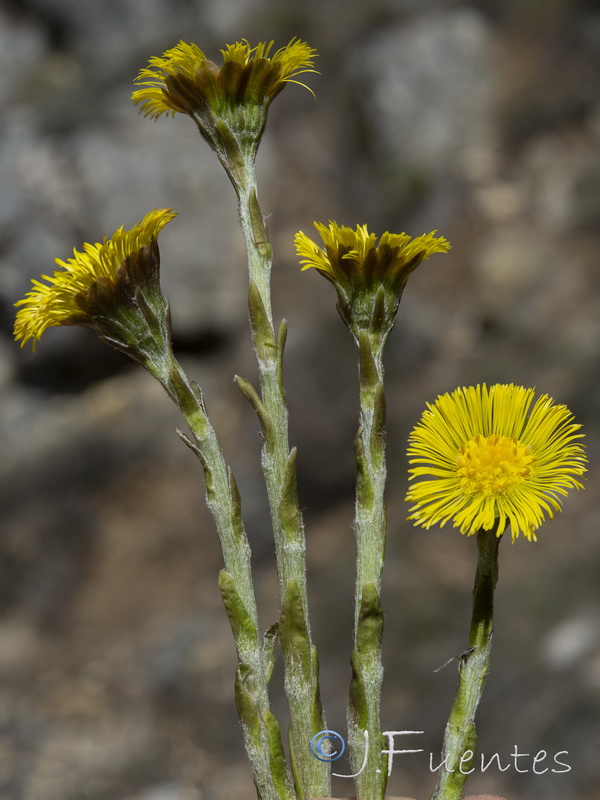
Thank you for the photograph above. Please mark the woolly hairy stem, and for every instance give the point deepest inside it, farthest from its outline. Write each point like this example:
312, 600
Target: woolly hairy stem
258, 725
370, 520
278, 464
370, 528
460, 738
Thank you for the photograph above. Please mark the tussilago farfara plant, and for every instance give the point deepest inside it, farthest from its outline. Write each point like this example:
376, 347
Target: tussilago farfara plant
481, 457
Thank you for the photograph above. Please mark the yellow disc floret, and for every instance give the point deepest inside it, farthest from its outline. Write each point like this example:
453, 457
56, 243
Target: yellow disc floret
492, 465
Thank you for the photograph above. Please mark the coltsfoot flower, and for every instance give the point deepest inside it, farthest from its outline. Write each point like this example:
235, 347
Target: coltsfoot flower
111, 286
227, 102
369, 275
484, 459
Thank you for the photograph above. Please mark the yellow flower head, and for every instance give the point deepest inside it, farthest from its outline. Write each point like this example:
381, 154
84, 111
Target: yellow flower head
237, 93
358, 265
484, 459
96, 283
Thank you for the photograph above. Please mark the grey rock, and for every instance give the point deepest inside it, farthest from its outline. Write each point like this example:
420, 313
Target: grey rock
426, 88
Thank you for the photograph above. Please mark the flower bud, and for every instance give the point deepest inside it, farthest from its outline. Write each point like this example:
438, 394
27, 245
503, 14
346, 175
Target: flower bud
112, 287
369, 276
228, 103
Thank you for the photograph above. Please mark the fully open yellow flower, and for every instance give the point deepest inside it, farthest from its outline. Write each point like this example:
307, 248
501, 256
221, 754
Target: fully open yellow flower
184, 80
103, 275
484, 458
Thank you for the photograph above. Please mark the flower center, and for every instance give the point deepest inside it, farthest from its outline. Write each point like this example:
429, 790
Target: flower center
492, 465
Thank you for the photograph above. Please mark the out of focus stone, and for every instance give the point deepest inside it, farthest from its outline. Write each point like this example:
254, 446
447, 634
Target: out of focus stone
572, 641
484, 797
22, 48
426, 87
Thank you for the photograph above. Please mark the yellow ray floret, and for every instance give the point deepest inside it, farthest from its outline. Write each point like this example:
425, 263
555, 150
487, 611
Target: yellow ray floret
184, 80
183, 59
357, 253
56, 302
484, 458
296, 58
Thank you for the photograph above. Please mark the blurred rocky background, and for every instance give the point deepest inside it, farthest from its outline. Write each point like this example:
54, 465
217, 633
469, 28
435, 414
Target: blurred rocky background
479, 119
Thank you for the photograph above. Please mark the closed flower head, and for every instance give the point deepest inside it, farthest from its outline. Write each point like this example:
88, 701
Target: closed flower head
485, 458
111, 286
369, 275
226, 101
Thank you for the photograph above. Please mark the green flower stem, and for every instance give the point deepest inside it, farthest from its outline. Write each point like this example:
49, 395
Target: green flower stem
260, 728
370, 523
370, 527
460, 738
312, 777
